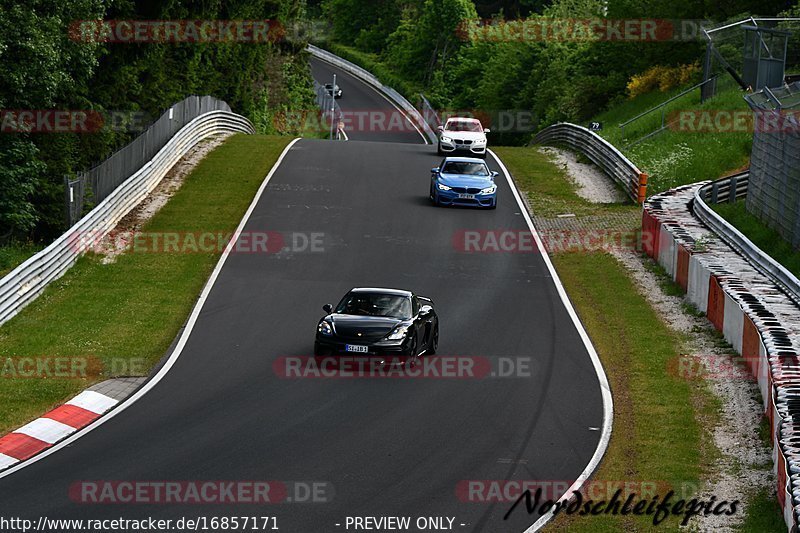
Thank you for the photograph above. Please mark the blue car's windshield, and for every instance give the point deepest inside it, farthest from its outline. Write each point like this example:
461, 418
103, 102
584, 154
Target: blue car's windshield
374, 304
465, 167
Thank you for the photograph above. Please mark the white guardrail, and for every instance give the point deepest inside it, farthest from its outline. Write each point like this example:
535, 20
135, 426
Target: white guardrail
729, 189
23, 284
365, 76
601, 152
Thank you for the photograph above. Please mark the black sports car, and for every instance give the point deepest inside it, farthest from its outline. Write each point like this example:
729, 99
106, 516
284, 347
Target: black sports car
373, 321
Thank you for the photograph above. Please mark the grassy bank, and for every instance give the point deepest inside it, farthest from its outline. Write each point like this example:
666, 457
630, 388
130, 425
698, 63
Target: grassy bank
121, 317
678, 156
14, 254
660, 433
762, 236
550, 192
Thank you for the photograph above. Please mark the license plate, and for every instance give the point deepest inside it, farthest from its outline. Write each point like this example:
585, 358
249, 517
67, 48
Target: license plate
356, 348
466, 196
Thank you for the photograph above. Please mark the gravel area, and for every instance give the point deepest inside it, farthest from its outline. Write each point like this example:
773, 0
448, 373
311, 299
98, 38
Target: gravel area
591, 184
167, 187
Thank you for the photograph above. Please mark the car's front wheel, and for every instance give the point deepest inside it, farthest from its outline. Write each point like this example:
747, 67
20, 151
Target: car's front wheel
434, 197
434, 342
439, 150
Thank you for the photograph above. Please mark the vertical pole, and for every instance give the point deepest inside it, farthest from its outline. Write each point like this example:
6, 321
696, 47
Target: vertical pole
333, 103
68, 201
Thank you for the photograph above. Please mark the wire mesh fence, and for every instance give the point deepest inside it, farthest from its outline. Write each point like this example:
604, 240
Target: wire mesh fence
774, 191
726, 45
105, 177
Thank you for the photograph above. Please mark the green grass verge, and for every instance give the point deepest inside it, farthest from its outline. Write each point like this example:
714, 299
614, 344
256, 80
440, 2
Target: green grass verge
14, 254
548, 189
766, 238
674, 158
763, 515
659, 418
657, 435
125, 314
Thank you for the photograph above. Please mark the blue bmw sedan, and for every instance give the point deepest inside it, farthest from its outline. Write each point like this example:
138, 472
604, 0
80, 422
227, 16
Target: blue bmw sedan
463, 181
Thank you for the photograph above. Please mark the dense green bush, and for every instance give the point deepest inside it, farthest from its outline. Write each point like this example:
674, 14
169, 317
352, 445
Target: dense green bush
423, 45
44, 68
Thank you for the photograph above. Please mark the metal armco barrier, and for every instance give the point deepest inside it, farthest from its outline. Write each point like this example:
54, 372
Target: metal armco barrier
601, 153
728, 190
367, 77
756, 317
23, 284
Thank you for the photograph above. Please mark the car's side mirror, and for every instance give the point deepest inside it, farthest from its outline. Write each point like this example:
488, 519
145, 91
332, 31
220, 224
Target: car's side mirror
435, 170
495, 173
487, 130
440, 128
328, 308
425, 310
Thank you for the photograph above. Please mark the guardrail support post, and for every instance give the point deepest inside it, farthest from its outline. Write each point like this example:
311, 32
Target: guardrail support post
642, 188
732, 194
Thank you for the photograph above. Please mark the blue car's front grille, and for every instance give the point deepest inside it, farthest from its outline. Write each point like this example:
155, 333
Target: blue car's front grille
466, 190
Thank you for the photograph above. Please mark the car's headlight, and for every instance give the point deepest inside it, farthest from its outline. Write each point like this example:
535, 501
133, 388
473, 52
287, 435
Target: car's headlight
480, 141
446, 139
443, 187
489, 190
325, 328
397, 333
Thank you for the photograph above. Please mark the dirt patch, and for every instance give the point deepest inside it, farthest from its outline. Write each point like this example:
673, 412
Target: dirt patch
110, 247
591, 183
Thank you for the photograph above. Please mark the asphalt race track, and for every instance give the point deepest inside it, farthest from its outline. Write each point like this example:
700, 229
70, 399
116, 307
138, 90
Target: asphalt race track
383, 446
370, 116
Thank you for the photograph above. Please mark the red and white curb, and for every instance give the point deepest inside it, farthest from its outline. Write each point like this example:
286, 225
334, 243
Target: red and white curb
53, 426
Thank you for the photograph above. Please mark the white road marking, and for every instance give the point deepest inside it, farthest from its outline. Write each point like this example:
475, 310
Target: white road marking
605, 389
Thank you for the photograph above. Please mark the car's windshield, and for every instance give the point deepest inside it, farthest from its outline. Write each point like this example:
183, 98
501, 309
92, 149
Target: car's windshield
375, 304
463, 125
465, 167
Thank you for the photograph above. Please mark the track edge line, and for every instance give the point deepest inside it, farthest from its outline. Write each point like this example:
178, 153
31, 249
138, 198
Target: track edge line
605, 389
